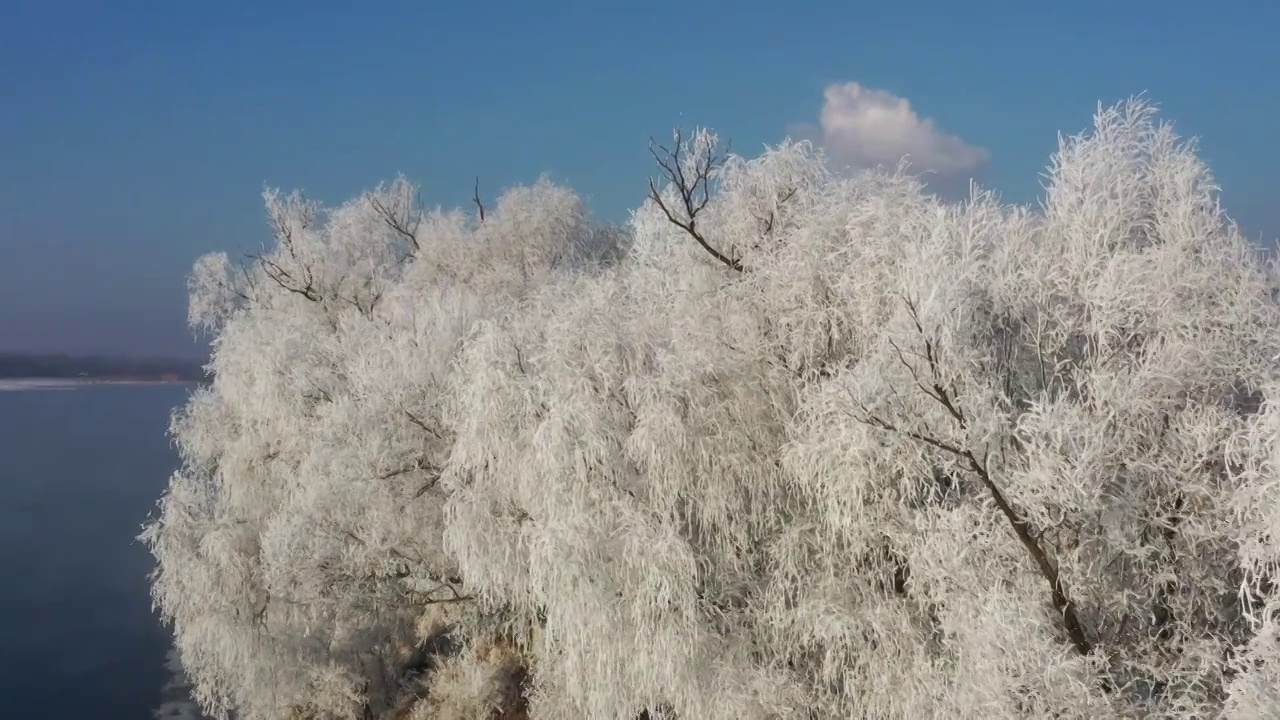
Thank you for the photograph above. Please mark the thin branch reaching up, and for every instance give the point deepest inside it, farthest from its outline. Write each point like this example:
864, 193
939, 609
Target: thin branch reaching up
406, 227
475, 197
693, 188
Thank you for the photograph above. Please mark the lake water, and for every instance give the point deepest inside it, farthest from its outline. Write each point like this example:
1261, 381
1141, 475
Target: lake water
80, 470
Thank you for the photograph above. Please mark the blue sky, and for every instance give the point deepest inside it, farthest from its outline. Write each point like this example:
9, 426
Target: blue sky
135, 136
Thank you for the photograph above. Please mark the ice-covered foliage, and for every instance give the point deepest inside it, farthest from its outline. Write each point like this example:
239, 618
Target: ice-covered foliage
300, 543
814, 446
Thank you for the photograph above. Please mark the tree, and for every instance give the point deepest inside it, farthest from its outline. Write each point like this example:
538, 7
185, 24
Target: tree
299, 546
794, 445
831, 447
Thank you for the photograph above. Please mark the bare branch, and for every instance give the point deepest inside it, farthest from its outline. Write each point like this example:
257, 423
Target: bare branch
454, 595
415, 466
694, 191
520, 360
882, 424
281, 277
475, 197
423, 424
405, 227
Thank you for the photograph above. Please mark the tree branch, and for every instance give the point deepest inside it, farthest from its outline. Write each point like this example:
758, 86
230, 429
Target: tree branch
782, 200
694, 192
422, 424
281, 277
406, 228
475, 197
940, 393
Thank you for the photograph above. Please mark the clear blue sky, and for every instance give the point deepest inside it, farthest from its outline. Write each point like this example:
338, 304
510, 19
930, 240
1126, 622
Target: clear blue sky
135, 136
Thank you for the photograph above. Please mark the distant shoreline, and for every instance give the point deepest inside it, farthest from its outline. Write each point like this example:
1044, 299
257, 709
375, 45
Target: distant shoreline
19, 384
30, 371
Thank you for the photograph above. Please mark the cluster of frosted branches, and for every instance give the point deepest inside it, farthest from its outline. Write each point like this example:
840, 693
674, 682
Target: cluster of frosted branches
793, 445
299, 547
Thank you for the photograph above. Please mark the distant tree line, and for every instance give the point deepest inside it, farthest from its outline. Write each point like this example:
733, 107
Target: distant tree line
20, 365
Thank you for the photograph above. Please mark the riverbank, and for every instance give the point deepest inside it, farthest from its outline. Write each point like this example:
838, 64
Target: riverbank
31, 384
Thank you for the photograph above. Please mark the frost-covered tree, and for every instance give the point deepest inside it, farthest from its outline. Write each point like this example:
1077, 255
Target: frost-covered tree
1034, 448
814, 446
299, 546
830, 447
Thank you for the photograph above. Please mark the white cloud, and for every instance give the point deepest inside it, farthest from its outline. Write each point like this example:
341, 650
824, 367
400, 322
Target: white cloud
863, 127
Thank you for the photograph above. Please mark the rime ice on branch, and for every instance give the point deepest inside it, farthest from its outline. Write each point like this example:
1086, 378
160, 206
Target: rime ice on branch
792, 445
